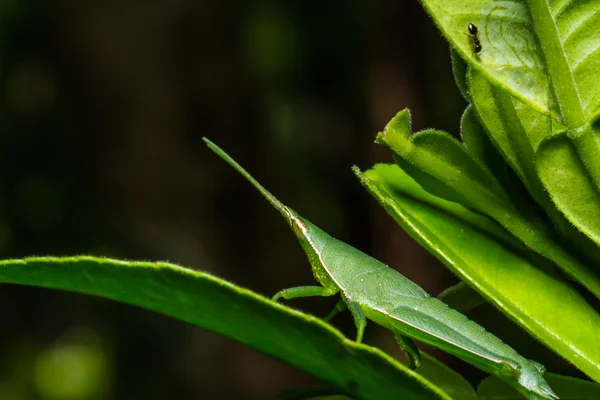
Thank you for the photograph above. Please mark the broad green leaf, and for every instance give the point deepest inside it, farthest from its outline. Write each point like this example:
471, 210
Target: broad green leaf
515, 129
298, 339
564, 174
511, 58
569, 35
524, 43
445, 163
436, 372
461, 297
565, 387
486, 257
483, 150
445, 168
518, 131
445, 378
543, 53
479, 145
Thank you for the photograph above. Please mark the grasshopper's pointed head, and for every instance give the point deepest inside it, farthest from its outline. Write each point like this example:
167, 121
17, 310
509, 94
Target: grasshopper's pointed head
313, 240
309, 233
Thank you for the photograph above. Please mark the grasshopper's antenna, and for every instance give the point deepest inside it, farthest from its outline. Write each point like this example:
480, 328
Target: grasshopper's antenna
272, 199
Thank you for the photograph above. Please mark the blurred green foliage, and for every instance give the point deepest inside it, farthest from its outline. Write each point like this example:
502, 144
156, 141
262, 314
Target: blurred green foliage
74, 369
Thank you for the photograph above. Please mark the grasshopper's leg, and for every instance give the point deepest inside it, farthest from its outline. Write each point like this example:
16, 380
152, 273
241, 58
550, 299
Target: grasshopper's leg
303, 291
410, 349
359, 319
339, 307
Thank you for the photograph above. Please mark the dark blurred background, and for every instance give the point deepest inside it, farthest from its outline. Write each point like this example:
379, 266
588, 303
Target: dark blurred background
103, 107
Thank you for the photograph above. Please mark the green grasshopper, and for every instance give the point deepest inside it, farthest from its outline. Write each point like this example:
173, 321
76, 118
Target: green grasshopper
372, 290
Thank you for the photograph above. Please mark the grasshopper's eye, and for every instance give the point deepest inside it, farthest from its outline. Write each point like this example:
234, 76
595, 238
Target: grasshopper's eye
299, 227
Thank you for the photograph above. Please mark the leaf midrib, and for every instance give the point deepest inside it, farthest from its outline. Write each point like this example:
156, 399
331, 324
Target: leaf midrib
563, 81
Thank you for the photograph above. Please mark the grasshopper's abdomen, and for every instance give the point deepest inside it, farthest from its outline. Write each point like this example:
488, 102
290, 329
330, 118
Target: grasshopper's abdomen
433, 322
397, 303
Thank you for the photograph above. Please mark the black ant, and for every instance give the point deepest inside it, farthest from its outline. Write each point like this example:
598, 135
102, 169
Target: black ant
474, 35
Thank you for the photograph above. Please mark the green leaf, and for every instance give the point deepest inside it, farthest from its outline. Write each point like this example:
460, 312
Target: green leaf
510, 58
433, 370
545, 54
565, 387
526, 43
445, 168
298, 339
446, 164
569, 35
486, 257
478, 144
459, 70
445, 378
483, 150
515, 129
518, 131
461, 297
564, 174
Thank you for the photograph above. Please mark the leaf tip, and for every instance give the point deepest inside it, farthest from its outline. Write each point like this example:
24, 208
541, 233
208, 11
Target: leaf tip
401, 123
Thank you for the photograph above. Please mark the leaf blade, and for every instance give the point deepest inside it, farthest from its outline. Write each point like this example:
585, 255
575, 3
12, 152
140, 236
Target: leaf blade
522, 136
299, 339
445, 168
569, 40
445, 378
567, 388
510, 58
461, 297
446, 229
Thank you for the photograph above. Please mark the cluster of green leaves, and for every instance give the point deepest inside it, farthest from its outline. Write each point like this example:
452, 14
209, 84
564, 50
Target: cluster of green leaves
525, 161
512, 208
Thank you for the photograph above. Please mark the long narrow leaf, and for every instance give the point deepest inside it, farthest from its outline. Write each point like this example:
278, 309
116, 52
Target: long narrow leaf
566, 388
298, 339
471, 245
445, 168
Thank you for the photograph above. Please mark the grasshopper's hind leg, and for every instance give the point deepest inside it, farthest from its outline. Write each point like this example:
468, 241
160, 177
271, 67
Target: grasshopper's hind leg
408, 346
304, 291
